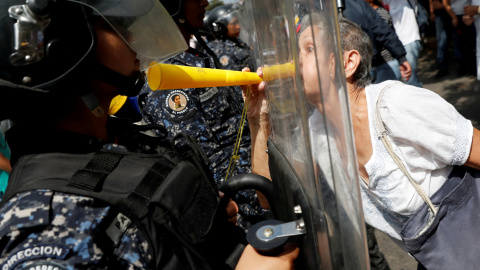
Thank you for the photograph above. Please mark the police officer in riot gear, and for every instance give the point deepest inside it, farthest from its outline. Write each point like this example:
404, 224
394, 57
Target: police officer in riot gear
63, 67
57, 82
61, 64
232, 52
212, 115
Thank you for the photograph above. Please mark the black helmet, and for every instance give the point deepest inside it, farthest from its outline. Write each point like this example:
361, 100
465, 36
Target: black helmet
219, 18
47, 48
174, 7
206, 30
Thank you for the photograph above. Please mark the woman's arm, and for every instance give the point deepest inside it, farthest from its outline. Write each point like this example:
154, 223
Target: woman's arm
474, 157
448, 8
251, 259
259, 123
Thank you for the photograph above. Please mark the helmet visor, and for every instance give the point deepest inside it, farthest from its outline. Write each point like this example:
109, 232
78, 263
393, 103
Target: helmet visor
144, 25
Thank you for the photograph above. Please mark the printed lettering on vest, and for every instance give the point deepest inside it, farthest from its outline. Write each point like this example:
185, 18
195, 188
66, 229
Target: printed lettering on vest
45, 265
40, 251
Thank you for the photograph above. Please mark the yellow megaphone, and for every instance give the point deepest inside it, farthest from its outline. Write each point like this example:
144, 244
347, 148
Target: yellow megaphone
276, 72
166, 76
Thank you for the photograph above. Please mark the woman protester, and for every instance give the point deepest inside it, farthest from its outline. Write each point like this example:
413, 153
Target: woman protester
428, 136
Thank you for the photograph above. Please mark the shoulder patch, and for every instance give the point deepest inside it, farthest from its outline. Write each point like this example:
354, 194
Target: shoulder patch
224, 60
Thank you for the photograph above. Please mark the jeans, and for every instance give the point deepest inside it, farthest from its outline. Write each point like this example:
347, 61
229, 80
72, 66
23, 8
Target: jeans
477, 27
464, 46
386, 71
413, 52
442, 43
395, 66
382, 73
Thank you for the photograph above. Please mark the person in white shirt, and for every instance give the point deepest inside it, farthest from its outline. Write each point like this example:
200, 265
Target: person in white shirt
406, 27
427, 132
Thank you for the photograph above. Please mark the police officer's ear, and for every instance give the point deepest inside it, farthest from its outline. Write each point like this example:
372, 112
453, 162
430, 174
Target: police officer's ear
351, 61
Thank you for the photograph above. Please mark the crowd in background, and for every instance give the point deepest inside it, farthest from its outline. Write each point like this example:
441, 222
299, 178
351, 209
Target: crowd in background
452, 22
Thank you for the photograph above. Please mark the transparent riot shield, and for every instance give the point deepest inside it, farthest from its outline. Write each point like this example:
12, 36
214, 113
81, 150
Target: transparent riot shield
248, 32
311, 149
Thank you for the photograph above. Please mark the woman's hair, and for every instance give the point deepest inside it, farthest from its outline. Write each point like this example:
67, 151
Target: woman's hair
354, 38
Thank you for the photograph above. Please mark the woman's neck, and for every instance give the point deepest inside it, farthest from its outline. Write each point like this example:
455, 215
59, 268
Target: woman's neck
357, 97
360, 122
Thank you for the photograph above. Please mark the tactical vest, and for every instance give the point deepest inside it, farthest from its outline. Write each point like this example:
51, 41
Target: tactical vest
170, 197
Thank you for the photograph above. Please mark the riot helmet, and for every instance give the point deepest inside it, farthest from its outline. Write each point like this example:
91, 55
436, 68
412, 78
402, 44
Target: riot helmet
48, 46
220, 17
206, 30
174, 8
178, 9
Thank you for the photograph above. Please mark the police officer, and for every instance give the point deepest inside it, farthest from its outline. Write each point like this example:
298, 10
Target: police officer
57, 80
212, 115
232, 52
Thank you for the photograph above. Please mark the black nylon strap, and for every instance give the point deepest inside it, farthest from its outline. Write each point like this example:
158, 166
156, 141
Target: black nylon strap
97, 169
137, 202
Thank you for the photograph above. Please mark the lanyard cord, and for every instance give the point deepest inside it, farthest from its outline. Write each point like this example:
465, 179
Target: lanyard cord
235, 157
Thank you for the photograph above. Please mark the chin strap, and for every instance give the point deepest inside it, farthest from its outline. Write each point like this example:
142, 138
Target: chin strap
128, 86
203, 44
207, 49
92, 103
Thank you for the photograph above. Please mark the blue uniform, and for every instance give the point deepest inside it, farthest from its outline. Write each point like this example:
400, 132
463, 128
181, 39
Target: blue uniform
44, 229
232, 54
52, 230
212, 116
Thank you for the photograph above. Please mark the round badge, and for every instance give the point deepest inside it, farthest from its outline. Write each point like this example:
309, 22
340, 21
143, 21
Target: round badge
224, 60
177, 102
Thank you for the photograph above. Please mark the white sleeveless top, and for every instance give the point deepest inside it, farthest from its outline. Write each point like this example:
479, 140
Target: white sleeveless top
428, 134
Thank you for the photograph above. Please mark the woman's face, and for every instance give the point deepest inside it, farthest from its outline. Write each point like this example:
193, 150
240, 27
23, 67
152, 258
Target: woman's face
233, 28
315, 64
194, 11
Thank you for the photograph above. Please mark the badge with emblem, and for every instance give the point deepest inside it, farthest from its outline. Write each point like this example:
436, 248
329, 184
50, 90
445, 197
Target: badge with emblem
177, 102
224, 60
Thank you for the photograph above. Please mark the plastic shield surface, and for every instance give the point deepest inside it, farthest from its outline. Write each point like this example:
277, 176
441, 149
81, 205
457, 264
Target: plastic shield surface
137, 22
248, 32
311, 127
